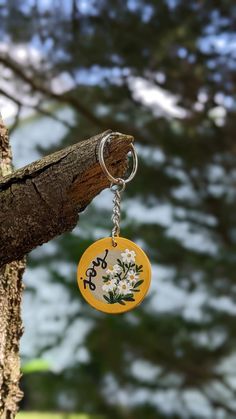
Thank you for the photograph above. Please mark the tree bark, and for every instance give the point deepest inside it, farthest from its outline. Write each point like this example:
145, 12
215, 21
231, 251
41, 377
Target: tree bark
10, 319
43, 199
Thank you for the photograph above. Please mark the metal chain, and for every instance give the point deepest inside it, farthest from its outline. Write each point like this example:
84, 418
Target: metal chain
116, 211
117, 184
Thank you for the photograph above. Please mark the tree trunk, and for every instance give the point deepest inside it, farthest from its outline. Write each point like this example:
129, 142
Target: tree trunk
10, 319
37, 203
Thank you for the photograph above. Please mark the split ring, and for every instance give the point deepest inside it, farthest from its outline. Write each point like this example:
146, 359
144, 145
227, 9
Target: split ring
114, 180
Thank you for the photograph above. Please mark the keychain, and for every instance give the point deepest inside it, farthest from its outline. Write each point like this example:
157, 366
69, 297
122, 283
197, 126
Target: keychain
114, 273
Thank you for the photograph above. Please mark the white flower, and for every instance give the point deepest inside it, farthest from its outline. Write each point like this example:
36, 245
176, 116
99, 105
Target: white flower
123, 287
112, 270
132, 277
128, 256
110, 285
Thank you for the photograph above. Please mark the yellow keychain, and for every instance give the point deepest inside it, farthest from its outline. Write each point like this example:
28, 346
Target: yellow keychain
114, 273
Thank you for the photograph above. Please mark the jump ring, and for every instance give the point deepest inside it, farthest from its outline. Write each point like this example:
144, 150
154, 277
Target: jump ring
118, 186
117, 181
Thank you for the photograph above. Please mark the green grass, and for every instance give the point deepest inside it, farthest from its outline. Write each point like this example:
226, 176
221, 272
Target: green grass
35, 415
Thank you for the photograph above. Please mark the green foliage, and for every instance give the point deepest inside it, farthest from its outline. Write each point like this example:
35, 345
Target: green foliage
35, 365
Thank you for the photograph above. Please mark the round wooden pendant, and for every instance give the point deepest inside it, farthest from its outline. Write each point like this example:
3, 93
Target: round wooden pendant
114, 279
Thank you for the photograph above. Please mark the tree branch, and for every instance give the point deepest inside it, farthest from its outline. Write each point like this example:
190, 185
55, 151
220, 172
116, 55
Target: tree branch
42, 88
43, 199
38, 86
36, 107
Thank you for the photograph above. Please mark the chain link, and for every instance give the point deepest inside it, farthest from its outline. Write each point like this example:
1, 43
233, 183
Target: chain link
116, 211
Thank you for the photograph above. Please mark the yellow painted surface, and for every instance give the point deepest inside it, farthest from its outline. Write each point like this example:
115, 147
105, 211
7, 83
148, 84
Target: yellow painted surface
96, 249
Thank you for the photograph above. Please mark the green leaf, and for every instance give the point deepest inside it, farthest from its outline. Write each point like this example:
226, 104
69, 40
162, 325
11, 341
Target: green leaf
138, 283
36, 365
111, 297
127, 298
139, 268
107, 299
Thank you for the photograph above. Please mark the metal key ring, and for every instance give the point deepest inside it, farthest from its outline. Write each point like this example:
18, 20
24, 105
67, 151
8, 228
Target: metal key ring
117, 181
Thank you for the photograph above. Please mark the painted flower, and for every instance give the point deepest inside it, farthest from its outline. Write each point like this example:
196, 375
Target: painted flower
110, 285
132, 277
112, 270
128, 256
123, 287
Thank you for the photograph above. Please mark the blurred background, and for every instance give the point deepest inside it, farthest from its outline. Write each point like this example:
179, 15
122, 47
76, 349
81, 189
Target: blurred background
163, 71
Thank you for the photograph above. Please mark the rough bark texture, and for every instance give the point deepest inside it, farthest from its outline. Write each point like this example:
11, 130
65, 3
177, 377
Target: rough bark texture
43, 199
10, 318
